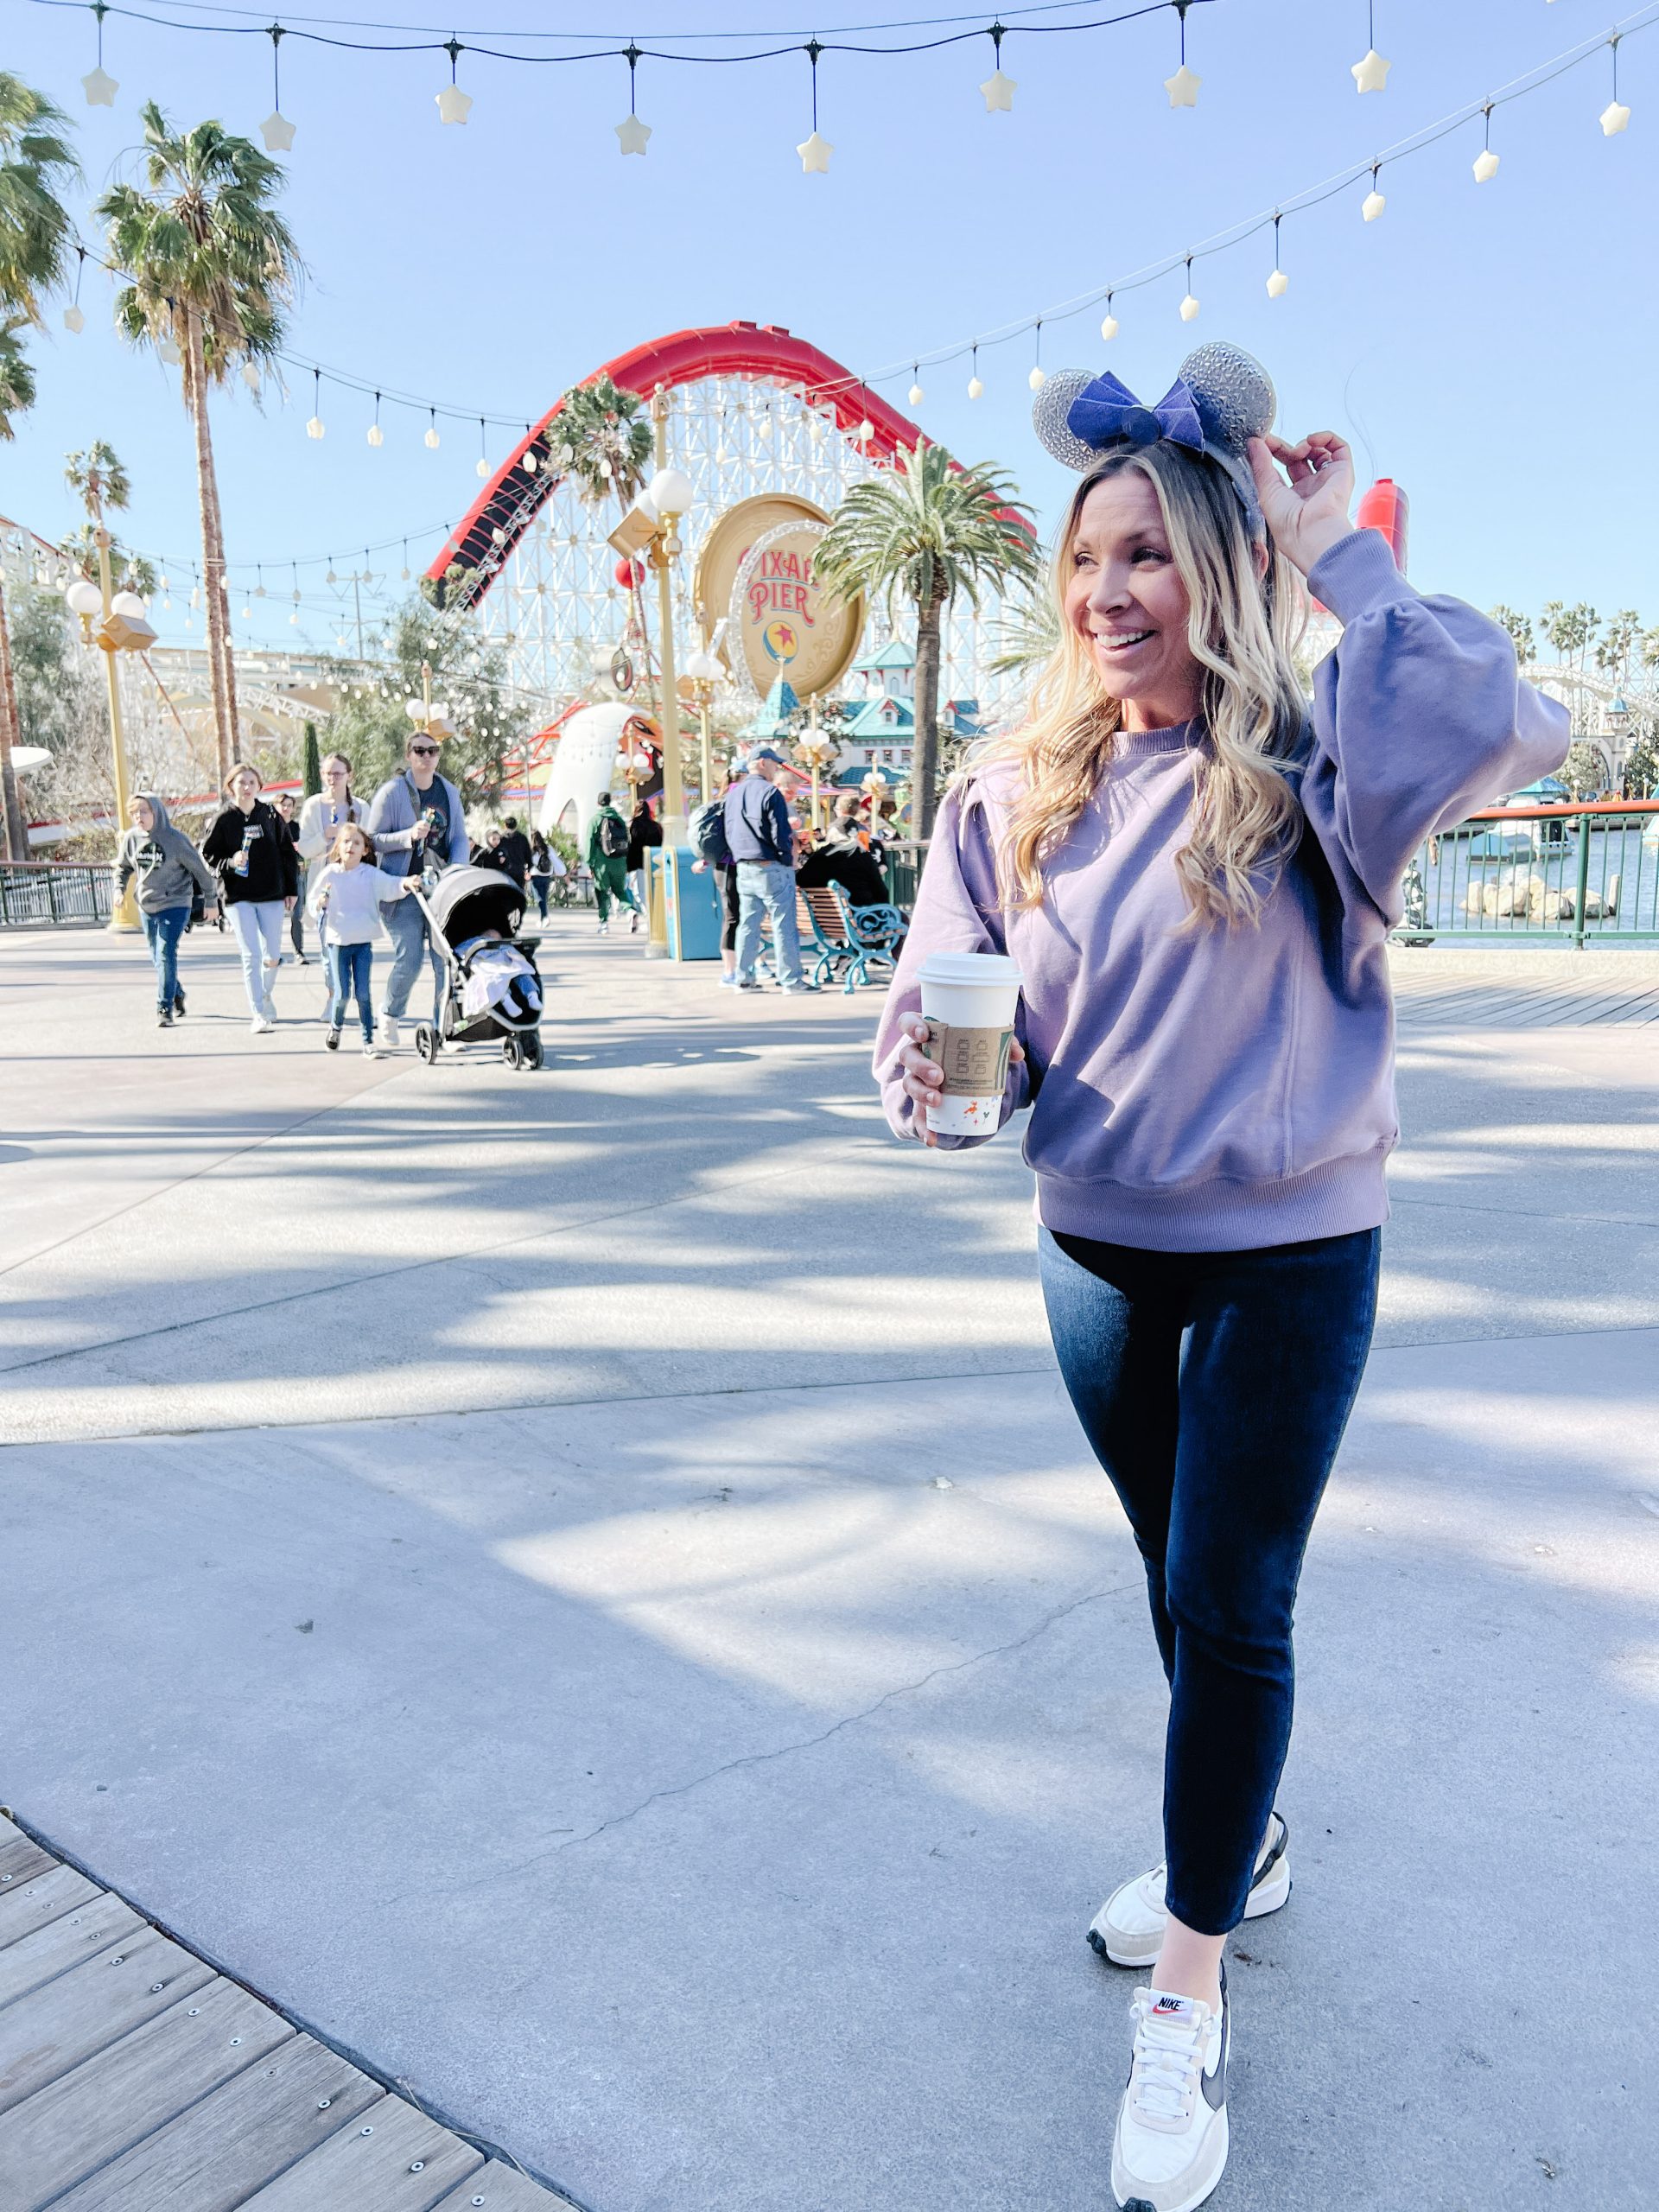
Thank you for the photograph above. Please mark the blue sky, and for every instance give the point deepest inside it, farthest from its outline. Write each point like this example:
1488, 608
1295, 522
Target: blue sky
1491, 347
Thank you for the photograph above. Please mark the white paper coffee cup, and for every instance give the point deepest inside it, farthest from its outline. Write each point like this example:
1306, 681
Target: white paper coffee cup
968, 1000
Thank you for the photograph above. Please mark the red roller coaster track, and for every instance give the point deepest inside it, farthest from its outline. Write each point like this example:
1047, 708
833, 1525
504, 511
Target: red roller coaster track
510, 500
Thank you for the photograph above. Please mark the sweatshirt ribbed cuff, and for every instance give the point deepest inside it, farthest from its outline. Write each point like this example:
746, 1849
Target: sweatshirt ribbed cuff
1357, 575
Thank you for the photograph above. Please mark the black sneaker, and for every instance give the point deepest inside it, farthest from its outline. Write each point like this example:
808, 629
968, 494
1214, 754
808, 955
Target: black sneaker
164, 1017
332, 1040
178, 1004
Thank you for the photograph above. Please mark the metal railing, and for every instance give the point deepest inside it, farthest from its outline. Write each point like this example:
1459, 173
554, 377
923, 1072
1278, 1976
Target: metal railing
1574, 875
33, 892
905, 871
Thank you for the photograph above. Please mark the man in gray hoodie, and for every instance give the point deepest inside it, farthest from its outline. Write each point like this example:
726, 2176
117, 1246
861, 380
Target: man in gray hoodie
170, 871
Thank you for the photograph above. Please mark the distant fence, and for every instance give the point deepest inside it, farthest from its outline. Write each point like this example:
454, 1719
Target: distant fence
1573, 875
32, 892
905, 871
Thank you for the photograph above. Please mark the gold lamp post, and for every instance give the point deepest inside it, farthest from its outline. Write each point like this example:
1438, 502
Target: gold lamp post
122, 626
818, 752
704, 672
650, 528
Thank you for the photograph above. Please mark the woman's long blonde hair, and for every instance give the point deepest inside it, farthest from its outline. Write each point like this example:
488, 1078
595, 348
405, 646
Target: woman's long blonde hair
1242, 630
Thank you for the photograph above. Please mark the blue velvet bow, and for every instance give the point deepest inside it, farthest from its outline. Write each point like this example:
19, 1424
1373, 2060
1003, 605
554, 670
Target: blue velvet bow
1107, 410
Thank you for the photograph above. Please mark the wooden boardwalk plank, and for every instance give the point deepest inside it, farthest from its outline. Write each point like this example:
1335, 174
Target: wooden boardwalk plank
214, 2156
83, 2120
104, 1999
23, 1911
393, 2160
22, 1860
52, 1950
496, 2188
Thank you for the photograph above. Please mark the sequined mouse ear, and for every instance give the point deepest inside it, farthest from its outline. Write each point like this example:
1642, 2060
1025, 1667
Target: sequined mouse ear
1049, 412
1234, 393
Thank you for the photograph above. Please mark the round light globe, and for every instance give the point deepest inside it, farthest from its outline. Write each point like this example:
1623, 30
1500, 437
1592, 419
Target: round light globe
84, 597
670, 491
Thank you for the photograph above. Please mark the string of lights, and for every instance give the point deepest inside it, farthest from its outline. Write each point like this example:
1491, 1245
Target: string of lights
1613, 120
454, 105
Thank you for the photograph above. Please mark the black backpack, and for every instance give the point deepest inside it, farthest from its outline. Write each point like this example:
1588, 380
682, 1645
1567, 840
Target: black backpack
613, 835
709, 834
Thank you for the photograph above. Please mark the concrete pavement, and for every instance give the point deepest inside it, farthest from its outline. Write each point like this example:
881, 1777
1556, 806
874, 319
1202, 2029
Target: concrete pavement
585, 1586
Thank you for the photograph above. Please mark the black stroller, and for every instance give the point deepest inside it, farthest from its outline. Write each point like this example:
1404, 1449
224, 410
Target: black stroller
491, 987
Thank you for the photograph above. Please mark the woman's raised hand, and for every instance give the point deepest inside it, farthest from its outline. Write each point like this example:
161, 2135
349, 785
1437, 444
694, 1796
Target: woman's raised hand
924, 1077
1309, 513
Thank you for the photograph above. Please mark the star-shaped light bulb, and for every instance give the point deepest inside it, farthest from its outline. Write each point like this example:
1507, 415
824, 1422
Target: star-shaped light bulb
99, 87
1109, 327
277, 133
1278, 284
1182, 87
432, 439
999, 92
632, 134
74, 319
976, 389
1371, 75
917, 395
1485, 167
1373, 204
815, 154
377, 435
1615, 117
1189, 309
453, 104
1036, 380
168, 351
314, 427
250, 376
481, 467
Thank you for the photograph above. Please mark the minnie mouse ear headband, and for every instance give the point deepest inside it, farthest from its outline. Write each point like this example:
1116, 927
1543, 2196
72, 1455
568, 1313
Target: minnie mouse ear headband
1221, 398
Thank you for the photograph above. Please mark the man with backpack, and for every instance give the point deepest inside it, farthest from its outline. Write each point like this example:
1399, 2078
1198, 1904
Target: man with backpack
607, 860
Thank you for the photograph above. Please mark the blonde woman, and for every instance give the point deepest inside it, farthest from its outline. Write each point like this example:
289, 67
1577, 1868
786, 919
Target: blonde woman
1196, 872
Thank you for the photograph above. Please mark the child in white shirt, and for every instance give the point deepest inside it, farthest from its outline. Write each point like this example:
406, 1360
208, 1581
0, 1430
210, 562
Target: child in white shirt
346, 900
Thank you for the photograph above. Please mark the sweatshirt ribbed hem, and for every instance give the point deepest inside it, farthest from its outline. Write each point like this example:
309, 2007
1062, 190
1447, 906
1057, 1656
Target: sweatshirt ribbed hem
1223, 1215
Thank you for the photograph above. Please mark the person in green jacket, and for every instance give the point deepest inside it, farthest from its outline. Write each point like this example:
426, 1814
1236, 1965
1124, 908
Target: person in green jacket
607, 857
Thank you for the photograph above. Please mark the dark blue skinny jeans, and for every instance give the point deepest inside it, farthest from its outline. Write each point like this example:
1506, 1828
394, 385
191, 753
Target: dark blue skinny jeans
1214, 1388
161, 933
348, 977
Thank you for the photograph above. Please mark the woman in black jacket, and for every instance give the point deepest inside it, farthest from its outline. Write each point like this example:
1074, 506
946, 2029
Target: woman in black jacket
250, 847
644, 831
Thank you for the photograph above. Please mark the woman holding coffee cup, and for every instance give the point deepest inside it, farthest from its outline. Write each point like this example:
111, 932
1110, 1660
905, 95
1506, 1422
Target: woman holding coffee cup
1193, 873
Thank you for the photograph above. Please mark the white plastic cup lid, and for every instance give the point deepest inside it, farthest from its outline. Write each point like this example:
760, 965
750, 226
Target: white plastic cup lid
970, 968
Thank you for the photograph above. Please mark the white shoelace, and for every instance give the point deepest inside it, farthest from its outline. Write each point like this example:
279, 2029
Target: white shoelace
1168, 2058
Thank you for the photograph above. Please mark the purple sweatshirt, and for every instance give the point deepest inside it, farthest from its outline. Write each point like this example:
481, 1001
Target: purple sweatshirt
1234, 1088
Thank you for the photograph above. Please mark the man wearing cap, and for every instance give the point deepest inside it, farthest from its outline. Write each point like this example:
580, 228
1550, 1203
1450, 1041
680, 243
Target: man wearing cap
762, 847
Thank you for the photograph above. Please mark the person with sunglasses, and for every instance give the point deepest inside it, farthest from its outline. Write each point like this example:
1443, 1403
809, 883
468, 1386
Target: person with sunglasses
416, 823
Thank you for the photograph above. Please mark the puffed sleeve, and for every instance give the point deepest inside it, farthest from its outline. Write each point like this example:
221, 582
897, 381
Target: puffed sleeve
1419, 717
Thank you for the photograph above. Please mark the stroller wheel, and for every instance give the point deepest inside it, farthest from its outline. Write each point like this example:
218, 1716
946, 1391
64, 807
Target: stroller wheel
426, 1042
529, 1050
511, 1053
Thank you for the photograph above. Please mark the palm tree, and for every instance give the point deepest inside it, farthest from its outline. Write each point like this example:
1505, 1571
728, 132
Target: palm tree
1030, 631
35, 235
1520, 629
925, 532
212, 269
602, 442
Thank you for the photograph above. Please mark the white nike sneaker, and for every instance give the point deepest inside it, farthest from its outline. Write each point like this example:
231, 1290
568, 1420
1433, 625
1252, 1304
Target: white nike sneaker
389, 1031
1171, 2145
1128, 1929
